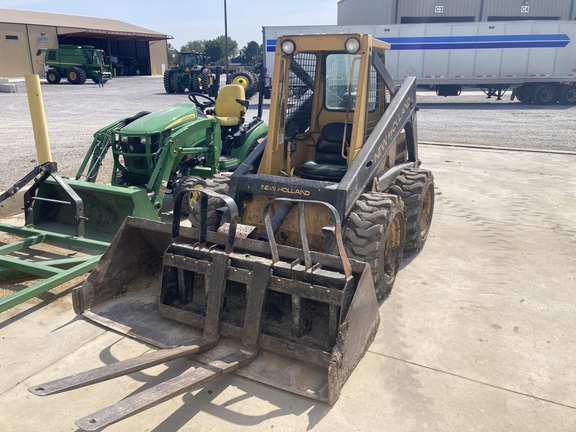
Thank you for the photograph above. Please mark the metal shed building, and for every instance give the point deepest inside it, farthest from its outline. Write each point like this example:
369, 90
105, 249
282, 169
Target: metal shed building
23, 33
381, 12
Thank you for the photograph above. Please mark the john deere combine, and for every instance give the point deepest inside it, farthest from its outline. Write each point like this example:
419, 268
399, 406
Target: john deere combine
311, 233
75, 63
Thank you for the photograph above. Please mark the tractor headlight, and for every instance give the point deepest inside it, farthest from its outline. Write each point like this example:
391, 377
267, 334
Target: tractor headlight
124, 139
288, 47
352, 45
143, 140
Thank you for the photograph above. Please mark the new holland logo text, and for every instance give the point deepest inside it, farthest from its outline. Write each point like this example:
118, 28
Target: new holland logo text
285, 190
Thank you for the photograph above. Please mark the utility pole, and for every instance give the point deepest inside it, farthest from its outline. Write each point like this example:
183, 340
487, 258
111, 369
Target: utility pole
226, 38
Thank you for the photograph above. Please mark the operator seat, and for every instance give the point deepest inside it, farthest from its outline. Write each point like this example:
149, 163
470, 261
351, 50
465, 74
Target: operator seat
231, 105
328, 163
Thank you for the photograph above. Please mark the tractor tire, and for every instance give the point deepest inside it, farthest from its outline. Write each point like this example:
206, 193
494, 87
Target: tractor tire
416, 188
545, 94
256, 79
168, 82
76, 75
219, 183
186, 183
53, 76
206, 80
246, 80
174, 83
194, 83
568, 95
375, 233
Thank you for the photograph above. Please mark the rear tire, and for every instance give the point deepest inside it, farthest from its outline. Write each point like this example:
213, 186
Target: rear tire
174, 84
246, 80
194, 83
53, 76
168, 81
416, 188
219, 183
206, 78
375, 233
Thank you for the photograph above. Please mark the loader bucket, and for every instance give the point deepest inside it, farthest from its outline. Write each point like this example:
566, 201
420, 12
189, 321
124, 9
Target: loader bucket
105, 207
316, 321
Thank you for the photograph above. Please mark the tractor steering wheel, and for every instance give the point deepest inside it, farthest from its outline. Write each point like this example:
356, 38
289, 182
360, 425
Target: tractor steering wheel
209, 102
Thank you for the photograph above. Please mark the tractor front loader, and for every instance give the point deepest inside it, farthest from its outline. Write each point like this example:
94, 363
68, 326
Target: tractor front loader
284, 288
153, 153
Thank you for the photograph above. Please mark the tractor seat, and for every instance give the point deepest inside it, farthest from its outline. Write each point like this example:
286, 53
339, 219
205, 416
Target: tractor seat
228, 110
328, 163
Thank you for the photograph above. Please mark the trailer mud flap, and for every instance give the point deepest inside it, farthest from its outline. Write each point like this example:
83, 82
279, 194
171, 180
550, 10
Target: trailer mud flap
105, 207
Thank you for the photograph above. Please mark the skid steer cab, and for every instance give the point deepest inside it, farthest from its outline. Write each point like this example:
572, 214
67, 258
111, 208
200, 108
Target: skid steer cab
278, 279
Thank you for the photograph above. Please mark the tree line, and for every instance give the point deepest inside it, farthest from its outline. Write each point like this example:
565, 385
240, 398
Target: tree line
215, 49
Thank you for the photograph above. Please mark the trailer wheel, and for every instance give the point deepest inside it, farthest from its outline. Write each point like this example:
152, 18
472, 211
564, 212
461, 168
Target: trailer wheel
568, 95
168, 81
416, 188
545, 94
76, 75
246, 80
375, 233
525, 94
219, 183
53, 76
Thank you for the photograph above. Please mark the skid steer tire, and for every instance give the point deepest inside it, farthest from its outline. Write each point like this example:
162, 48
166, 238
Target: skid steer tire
375, 233
219, 183
168, 82
416, 188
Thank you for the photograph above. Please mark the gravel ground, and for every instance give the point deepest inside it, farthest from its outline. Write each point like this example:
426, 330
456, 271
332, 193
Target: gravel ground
74, 113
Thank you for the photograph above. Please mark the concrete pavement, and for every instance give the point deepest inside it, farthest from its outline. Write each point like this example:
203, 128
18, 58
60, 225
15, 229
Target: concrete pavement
475, 336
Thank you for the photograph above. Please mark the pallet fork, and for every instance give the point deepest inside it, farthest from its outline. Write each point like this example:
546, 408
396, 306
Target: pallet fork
214, 302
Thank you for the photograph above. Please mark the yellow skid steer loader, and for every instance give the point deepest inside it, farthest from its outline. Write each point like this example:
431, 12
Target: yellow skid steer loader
280, 275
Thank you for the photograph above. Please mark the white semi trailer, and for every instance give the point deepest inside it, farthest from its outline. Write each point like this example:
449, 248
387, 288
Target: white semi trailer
534, 59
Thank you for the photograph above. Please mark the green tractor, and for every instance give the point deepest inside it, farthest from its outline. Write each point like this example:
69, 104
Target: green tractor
76, 63
193, 75
154, 153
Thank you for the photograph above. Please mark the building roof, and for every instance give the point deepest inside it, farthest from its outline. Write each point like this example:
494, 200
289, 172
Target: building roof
88, 26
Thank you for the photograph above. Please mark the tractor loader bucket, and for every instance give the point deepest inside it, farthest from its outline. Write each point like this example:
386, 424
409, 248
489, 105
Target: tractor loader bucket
105, 207
293, 319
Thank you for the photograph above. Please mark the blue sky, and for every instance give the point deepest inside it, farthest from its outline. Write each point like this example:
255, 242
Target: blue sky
195, 19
